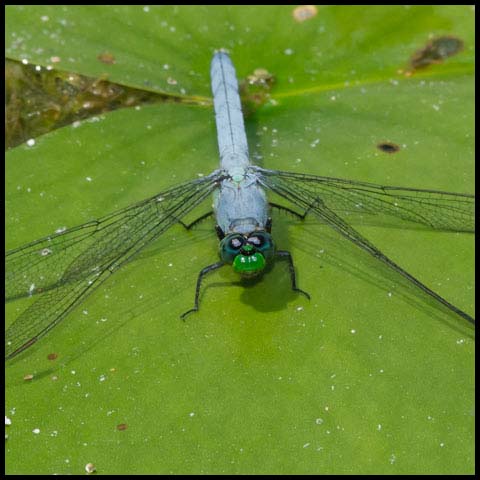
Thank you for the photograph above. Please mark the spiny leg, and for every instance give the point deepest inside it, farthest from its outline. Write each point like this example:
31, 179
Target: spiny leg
301, 216
199, 219
286, 254
220, 232
268, 225
203, 272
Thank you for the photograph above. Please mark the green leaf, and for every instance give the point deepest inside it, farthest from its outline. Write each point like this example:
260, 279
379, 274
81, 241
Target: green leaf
369, 377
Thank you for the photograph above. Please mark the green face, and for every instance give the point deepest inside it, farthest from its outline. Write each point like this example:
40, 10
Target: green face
247, 253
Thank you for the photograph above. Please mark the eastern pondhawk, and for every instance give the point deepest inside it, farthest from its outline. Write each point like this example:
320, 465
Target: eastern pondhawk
65, 267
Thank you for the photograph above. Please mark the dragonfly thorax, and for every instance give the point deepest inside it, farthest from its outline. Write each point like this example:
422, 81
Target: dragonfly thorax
240, 206
235, 164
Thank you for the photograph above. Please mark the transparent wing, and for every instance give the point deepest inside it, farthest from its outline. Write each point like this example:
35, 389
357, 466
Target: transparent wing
323, 201
65, 267
434, 209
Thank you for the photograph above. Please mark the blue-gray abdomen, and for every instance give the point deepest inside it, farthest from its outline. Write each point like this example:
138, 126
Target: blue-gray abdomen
232, 140
240, 203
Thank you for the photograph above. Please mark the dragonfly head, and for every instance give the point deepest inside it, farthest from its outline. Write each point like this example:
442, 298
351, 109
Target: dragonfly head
248, 254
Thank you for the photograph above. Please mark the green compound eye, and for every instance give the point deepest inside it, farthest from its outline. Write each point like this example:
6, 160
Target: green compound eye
263, 243
230, 247
249, 262
248, 254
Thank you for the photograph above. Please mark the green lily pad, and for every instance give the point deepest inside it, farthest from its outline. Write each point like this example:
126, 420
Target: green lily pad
369, 377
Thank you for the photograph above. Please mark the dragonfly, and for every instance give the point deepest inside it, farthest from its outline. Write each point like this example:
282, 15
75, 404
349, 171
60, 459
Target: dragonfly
63, 268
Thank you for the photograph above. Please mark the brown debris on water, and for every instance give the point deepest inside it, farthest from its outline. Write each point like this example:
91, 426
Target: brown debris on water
107, 58
435, 51
304, 12
255, 89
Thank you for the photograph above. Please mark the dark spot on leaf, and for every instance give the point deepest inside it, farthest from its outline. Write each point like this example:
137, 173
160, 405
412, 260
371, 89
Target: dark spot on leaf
388, 147
52, 356
122, 426
436, 51
106, 57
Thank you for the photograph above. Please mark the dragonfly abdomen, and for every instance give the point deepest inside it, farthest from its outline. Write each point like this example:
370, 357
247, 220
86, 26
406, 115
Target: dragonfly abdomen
232, 140
240, 204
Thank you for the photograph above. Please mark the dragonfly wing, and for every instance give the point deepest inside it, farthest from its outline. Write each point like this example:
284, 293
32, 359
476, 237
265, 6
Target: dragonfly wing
65, 267
39, 265
47, 311
360, 201
309, 200
74, 253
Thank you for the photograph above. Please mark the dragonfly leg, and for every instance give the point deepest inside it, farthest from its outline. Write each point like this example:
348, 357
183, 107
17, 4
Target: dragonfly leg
199, 219
291, 269
203, 272
301, 216
220, 232
268, 225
